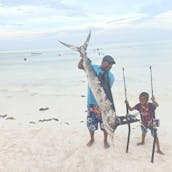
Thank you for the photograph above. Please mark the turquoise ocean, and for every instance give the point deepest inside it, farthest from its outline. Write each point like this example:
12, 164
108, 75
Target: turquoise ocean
55, 72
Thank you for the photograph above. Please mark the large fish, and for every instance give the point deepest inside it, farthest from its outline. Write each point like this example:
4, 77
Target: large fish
106, 107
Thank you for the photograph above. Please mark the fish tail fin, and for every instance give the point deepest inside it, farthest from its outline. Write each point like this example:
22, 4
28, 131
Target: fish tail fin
85, 45
71, 46
79, 49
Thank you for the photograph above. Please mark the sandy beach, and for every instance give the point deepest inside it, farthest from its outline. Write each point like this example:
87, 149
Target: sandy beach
43, 91
43, 113
54, 140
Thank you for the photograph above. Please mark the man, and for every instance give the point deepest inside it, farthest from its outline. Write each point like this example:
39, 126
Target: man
94, 115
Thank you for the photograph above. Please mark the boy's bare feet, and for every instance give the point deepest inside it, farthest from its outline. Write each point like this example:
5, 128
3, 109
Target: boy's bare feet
140, 143
90, 143
106, 145
160, 152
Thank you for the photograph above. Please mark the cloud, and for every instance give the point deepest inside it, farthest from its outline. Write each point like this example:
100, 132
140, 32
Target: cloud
164, 20
42, 19
157, 7
31, 2
126, 19
33, 17
57, 5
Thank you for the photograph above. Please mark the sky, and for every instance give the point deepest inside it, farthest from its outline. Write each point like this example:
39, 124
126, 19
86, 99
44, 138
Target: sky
39, 24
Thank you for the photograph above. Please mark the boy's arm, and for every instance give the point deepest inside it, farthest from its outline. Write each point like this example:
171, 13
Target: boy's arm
128, 105
154, 102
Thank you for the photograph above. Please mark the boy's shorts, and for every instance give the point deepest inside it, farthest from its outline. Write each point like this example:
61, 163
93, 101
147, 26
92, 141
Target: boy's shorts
145, 129
94, 118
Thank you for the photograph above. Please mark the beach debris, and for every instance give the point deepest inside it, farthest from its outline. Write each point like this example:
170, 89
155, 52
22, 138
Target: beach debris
49, 119
43, 108
81, 121
34, 94
3, 116
43, 120
83, 96
32, 122
55, 119
10, 118
66, 123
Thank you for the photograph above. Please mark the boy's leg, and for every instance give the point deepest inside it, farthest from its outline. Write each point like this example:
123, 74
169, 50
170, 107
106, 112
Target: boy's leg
143, 139
144, 131
158, 147
106, 144
157, 142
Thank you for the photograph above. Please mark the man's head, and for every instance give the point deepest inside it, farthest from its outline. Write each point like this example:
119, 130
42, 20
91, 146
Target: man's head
107, 62
143, 98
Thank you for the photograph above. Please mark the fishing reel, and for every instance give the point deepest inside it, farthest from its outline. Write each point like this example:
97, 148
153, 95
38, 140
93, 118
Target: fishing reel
155, 123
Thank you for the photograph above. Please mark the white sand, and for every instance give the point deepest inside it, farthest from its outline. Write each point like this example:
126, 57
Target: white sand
59, 146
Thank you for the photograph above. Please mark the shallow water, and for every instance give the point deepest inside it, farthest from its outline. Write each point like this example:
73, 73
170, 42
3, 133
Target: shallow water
55, 72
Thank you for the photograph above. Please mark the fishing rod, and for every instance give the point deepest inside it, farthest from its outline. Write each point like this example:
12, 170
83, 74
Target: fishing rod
151, 80
151, 85
154, 128
125, 89
127, 112
154, 142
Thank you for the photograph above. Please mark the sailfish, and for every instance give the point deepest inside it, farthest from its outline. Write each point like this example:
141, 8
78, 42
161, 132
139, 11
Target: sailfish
109, 118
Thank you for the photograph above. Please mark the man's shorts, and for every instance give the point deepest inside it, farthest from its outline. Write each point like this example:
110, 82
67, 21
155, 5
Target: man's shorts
94, 118
145, 130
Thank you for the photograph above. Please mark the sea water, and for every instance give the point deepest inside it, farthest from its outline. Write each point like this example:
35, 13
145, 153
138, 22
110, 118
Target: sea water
43, 72
55, 72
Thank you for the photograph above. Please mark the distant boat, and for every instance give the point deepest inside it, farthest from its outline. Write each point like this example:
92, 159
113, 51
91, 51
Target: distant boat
36, 53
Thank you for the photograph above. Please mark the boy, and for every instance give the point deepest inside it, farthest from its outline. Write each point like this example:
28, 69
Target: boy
147, 114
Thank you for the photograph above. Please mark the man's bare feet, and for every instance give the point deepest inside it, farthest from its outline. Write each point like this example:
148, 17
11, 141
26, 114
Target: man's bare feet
160, 152
140, 143
90, 143
106, 145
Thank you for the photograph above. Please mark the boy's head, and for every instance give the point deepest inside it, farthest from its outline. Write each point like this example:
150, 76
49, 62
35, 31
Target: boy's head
143, 98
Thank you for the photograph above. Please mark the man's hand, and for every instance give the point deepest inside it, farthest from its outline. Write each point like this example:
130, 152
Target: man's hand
80, 64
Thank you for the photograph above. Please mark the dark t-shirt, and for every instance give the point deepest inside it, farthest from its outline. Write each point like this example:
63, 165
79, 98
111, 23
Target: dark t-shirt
146, 113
